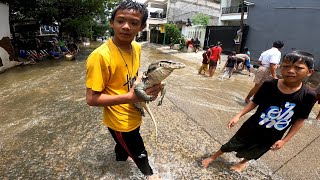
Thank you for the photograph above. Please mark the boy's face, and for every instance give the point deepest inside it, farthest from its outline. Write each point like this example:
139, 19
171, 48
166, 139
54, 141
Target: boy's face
294, 72
127, 24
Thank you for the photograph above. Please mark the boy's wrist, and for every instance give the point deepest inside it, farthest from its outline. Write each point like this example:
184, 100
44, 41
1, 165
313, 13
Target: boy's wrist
239, 116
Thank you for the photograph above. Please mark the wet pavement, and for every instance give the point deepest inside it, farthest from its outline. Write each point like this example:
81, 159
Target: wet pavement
48, 132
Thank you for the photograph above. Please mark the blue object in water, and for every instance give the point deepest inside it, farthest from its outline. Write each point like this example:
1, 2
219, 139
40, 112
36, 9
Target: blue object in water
23, 53
54, 54
63, 49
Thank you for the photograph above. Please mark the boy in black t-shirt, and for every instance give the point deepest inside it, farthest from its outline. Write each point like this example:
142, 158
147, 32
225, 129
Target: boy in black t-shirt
283, 105
230, 65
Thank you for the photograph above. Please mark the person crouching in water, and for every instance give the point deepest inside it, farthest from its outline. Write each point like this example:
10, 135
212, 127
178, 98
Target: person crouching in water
230, 65
283, 104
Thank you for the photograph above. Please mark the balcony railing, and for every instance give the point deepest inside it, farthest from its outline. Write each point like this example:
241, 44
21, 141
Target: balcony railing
234, 9
157, 15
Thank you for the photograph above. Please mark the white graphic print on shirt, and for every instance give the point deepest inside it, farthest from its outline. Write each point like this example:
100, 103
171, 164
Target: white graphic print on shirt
277, 117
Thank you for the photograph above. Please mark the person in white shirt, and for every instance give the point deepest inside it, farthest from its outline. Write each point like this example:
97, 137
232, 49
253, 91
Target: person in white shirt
318, 99
268, 61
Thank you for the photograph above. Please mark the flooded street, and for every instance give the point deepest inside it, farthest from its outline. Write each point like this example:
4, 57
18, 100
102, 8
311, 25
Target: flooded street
49, 132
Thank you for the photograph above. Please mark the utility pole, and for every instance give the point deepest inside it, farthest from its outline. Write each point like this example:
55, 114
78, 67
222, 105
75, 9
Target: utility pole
241, 26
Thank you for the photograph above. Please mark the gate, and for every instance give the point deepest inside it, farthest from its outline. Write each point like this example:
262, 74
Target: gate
226, 35
156, 36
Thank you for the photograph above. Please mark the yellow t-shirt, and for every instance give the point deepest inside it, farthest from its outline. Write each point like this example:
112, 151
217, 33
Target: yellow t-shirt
108, 71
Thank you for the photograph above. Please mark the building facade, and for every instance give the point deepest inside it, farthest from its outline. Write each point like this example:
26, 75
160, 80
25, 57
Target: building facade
231, 12
178, 12
7, 55
158, 10
292, 21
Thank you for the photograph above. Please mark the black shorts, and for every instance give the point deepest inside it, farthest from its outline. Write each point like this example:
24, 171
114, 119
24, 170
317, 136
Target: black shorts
245, 149
213, 63
131, 144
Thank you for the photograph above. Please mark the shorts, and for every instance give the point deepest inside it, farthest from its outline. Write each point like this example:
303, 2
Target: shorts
244, 149
213, 63
262, 74
247, 64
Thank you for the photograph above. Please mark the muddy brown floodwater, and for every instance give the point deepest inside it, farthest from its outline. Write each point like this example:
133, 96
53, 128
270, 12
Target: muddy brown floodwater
49, 132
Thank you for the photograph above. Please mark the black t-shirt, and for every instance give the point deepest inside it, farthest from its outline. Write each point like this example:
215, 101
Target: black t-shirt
276, 113
231, 61
204, 57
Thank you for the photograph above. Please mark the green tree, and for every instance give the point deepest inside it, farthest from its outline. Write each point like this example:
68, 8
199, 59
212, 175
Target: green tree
173, 34
200, 19
77, 17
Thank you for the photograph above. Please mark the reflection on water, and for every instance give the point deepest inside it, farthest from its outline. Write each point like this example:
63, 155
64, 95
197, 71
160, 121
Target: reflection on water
48, 132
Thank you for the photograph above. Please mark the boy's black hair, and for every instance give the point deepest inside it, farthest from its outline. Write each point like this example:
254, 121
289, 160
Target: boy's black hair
246, 49
297, 55
278, 44
131, 5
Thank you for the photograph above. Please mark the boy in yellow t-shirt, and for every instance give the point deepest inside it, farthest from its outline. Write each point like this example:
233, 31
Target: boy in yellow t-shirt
112, 70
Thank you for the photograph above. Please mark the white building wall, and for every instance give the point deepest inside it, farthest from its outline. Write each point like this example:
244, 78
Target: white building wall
4, 21
181, 10
195, 32
155, 21
5, 32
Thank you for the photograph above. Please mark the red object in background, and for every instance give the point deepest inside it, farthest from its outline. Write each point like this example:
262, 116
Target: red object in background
189, 43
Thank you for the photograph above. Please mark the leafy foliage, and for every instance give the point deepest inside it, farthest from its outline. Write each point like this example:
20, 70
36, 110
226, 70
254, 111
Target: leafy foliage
200, 19
76, 17
172, 33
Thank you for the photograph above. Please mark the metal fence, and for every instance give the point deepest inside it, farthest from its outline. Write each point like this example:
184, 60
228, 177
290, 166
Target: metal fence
226, 35
234, 9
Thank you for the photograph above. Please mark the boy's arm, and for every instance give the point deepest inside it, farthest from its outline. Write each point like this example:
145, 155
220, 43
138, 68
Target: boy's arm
273, 68
251, 105
292, 131
219, 57
95, 98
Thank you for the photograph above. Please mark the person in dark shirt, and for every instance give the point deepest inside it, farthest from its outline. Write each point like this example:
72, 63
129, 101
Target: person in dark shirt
196, 45
230, 65
205, 62
283, 104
